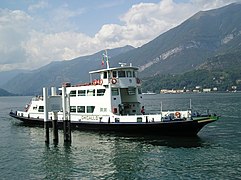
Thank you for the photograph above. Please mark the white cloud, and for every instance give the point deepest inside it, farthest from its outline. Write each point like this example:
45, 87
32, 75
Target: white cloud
13, 32
38, 5
57, 37
41, 48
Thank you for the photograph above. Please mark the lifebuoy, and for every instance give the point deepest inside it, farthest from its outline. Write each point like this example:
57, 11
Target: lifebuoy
94, 82
100, 82
138, 81
114, 81
178, 114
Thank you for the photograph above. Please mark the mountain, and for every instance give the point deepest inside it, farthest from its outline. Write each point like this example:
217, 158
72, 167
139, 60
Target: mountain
6, 76
221, 72
55, 73
5, 93
188, 45
204, 36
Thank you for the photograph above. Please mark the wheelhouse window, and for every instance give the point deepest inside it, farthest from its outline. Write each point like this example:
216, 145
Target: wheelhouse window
114, 92
72, 93
121, 74
81, 92
41, 109
139, 91
105, 75
128, 74
81, 109
91, 92
90, 109
131, 91
100, 92
114, 74
73, 109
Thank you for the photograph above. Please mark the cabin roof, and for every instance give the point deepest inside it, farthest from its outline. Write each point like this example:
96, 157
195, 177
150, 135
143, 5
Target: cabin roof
116, 68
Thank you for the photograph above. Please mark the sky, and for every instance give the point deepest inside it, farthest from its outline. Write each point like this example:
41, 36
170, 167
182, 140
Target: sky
34, 33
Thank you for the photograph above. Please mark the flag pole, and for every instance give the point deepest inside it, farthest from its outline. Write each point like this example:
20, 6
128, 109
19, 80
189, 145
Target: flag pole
107, 60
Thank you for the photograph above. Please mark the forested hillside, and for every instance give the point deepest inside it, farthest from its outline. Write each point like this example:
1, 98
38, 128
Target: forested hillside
222, 72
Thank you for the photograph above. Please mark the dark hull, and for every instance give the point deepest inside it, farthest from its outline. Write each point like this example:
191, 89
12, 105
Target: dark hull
175, 128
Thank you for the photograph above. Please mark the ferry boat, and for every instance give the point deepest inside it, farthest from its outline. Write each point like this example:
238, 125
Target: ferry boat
111, 101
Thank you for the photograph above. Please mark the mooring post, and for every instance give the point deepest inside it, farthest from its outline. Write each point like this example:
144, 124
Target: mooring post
55, 128
46, 125
66, 119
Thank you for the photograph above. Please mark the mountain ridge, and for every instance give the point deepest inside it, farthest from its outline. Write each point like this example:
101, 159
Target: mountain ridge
182, 49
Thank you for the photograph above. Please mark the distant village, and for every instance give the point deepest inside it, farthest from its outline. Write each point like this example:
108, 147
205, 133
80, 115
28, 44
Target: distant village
197, 89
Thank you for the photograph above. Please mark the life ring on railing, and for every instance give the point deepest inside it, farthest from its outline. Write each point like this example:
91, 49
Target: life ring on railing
94, 82
178, 114
100, 82
113, 80
138, 81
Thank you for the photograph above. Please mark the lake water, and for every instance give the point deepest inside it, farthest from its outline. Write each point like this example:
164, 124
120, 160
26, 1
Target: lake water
213, 154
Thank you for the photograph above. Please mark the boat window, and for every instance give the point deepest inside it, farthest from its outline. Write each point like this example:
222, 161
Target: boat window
134, 74
103, 109
139, 91
100, 92
73, 109
81, 109
114, 74
72, 93
114, 92
121, 74
41, 109
81, 92
131, 91
128, 74
90, 109
105, 75
91, 92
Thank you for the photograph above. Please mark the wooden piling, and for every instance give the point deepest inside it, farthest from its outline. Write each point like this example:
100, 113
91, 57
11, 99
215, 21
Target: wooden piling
55, 128
67, 131
46, 125
66, 117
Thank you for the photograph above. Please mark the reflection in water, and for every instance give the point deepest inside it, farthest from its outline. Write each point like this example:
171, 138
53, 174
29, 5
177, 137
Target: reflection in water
57, 162
168, 141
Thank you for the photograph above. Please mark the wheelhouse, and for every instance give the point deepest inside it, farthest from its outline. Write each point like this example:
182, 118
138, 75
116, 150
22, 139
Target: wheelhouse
124, 88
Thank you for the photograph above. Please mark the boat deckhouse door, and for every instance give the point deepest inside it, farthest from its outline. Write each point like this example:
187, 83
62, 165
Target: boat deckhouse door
129, 100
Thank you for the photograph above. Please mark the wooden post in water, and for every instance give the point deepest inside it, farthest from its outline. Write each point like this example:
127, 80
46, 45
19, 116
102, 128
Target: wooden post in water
46, 125
55, 128
66, 120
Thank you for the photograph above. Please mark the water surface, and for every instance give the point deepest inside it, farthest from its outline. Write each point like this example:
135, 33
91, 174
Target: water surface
213, 154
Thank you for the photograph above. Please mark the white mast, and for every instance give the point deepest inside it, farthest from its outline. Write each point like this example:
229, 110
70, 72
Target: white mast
107, 59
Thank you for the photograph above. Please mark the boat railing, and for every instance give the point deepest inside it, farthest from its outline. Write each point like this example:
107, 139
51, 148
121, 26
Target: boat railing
37, 98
